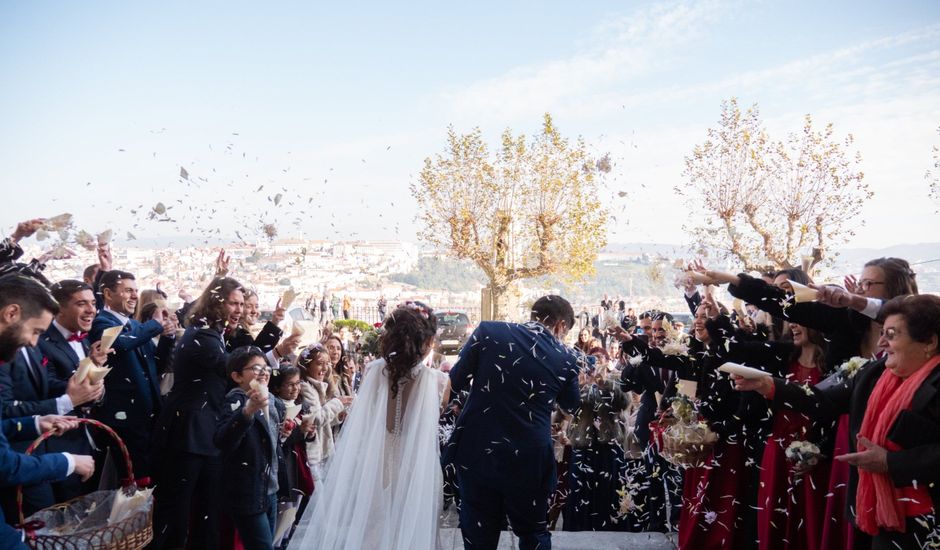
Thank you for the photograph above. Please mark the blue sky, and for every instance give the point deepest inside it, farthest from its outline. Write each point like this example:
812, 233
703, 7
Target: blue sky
335, 106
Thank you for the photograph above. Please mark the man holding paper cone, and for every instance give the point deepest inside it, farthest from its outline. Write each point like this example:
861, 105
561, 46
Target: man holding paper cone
26, 309
132, 398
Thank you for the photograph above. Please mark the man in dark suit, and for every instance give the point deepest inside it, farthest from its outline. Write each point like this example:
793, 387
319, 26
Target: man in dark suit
501, 445
64, 344
26, 309
132, 390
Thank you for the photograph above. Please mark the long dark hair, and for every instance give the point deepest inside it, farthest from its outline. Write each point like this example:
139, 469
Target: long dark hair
209, 308
405, 334
818, 341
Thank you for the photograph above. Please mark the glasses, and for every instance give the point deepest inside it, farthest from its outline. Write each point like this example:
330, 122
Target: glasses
890, 334
866, 284
259, 371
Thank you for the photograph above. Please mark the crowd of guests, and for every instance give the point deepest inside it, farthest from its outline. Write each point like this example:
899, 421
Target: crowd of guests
835, 444
234, 425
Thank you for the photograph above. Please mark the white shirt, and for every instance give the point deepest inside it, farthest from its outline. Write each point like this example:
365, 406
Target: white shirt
121, 317
76, 346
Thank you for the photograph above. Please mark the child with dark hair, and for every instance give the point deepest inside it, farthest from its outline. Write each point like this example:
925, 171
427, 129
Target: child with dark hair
247, 435
295, 483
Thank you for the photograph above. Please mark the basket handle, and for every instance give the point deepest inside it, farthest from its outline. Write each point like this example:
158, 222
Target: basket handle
32, 526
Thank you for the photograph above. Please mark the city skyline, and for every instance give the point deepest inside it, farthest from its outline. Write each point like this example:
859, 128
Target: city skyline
315, 120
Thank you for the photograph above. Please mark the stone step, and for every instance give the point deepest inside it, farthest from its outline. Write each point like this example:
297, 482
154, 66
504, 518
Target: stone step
579, 540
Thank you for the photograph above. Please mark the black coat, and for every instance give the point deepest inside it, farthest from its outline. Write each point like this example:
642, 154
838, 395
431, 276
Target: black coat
916, 431
269, 336
200, 382
248, 455
845, 329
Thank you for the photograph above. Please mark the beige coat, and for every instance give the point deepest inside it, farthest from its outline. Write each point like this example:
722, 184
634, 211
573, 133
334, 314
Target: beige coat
325, 413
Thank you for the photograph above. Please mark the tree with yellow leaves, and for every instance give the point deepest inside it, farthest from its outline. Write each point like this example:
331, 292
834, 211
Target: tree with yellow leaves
773, 204
531, 210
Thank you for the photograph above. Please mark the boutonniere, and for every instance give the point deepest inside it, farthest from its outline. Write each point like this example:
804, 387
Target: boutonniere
45, 361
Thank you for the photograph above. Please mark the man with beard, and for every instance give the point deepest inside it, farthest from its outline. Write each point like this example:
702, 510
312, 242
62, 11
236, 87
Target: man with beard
27, 389
132, 390
26, 309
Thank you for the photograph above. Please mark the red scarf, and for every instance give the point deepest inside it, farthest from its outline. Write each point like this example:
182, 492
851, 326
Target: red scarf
879, 504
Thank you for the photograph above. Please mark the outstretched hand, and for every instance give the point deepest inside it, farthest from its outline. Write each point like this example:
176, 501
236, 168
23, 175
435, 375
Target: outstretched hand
870, 457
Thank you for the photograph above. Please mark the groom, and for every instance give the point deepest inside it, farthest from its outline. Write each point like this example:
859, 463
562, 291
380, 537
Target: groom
501, 446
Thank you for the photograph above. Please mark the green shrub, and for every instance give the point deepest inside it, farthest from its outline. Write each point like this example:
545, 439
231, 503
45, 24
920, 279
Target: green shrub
351, 324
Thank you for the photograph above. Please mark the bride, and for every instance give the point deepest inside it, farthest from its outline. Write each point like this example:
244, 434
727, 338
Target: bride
383, 486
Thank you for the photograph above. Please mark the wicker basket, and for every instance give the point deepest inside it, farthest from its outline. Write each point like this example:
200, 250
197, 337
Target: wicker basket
684, 445
131, 533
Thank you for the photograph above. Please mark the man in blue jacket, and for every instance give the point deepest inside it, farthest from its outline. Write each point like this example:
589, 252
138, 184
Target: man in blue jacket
26, 309
501, 445
132, 390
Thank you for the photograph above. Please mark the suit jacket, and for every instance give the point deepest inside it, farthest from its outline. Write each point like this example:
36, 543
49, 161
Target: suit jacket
916, 430
516, 374
26, 389
62, 359
132, 388
20, 469
193, 406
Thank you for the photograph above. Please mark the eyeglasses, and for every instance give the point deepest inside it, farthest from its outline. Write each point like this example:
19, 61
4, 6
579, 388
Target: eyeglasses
260, 371
890, 334
865, 284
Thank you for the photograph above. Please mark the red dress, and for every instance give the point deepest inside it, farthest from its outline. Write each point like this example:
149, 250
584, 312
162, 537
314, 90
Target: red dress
713, 501
790, 508
838, 531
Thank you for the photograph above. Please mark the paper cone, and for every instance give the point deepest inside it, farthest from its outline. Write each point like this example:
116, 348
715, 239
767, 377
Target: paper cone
96, 374
259, 387
803, 293
109, 335
123, 505
288, 298
84, 366
292, 411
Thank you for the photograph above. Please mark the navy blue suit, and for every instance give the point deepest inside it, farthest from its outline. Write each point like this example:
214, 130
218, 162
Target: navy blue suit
501, 446
132, 389
61, 362
19, 469
62, 359
26, 390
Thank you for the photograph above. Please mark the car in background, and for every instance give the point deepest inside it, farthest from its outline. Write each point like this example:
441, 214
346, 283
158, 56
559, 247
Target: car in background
685, 318
453, 330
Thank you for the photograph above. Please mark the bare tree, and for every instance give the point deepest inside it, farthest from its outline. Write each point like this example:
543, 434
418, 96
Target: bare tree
772, 204
531, 210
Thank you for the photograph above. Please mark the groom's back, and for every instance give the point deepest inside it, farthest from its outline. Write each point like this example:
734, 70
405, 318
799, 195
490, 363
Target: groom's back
516, 373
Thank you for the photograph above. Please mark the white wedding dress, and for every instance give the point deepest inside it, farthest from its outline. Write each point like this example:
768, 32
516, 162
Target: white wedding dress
383, 485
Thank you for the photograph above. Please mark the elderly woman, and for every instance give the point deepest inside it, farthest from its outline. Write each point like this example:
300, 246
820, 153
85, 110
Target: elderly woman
894, 421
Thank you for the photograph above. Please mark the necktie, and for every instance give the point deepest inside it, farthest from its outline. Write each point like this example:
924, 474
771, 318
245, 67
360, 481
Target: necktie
77, 336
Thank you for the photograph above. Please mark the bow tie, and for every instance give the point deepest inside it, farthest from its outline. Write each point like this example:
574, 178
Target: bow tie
77, 336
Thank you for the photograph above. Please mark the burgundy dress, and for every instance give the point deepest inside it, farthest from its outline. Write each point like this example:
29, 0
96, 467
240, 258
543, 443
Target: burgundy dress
713, 503
791, 508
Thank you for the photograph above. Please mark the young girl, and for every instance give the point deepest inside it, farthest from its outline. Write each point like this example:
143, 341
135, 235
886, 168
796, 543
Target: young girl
326, 407
295, 484
247, 435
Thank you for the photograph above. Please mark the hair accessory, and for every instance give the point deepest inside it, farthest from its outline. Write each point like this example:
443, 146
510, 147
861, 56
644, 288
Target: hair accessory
423, 309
